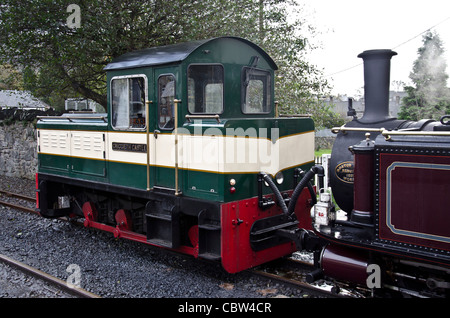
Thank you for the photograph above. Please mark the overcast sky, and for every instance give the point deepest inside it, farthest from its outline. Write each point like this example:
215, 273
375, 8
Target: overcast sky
349, 27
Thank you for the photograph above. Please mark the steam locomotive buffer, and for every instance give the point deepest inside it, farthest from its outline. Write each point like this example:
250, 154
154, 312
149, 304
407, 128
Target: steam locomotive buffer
186, 157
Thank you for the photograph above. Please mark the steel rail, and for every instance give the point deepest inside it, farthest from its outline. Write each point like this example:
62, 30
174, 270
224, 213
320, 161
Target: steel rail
296, 278
19, 207
71, 289
16, 195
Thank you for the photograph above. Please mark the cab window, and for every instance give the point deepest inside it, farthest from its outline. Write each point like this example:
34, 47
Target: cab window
166, 96
128, 102
256, 91
205, 89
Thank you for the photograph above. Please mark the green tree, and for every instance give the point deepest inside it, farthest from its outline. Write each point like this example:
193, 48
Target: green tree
10, 78
430, 96
62, 61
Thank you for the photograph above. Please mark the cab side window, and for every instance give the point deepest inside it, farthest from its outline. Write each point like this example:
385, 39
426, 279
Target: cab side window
256, 91
128, 102
166, 96
205, 89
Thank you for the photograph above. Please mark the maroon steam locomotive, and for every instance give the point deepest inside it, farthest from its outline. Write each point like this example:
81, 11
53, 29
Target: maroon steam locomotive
391, 179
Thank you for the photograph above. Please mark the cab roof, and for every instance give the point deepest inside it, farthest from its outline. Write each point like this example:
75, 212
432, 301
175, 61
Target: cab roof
171, 54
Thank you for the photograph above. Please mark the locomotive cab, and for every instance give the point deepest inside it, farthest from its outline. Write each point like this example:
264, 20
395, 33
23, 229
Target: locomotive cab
189, 156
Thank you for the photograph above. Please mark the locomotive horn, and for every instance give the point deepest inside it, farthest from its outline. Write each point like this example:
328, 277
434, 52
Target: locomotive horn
377, 67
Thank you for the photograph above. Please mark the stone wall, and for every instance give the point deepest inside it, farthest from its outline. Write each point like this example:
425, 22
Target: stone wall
18, 144
324, 142
324, 139
18, 155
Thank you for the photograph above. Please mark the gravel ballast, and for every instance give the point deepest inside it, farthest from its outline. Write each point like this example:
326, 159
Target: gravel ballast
118, 268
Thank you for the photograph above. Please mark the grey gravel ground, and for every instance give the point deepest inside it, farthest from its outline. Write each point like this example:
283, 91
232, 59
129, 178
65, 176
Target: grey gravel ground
115, 268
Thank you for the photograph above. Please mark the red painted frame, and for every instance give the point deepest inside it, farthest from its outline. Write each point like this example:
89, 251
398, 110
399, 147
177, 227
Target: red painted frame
236, 252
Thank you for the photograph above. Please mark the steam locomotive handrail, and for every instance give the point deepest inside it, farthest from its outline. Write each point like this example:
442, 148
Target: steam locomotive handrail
388, 133
344, 129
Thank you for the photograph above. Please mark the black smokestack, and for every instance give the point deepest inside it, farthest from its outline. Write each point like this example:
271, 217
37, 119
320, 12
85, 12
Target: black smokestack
377, 69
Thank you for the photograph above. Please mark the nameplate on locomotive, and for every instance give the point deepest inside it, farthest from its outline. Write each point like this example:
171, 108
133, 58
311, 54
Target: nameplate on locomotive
344, 171
121, 146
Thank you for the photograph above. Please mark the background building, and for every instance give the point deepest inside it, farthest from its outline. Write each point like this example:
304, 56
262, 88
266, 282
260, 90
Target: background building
20, 99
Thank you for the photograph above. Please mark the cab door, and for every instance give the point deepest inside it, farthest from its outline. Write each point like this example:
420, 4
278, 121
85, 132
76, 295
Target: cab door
163, 134
127, 145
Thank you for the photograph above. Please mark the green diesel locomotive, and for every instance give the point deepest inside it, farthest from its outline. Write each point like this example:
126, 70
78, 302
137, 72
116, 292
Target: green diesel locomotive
190, 155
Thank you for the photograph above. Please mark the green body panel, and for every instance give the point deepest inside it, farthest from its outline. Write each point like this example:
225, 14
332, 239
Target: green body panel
203, 185
127, 175
269, 128
54, 164
80, 168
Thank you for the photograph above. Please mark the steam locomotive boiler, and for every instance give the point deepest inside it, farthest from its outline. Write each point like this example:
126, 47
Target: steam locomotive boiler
390, 177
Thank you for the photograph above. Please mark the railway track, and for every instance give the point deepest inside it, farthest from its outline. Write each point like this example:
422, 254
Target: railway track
59, 286
292, 272
21, 207
295, 272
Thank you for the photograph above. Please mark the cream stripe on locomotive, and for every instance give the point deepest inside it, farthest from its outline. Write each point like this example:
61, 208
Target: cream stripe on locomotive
220, 154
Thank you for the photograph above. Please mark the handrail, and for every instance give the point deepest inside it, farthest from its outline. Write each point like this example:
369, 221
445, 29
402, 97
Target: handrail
388, 133
295, 115
70, 118
216, 117
344, 129
147, 136
175, 104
